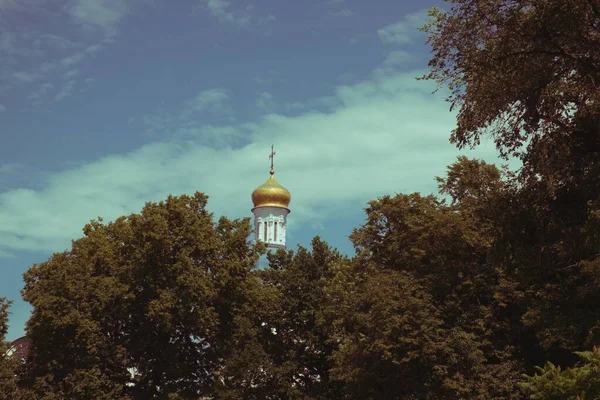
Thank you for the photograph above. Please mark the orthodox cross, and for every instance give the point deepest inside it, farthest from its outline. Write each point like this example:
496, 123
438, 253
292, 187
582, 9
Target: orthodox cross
272, 156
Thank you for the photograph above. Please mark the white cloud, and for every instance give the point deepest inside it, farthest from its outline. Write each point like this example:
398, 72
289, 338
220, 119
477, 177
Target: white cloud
94, 48
87, 84
7, 41
396, 57
26, 77
9, 168
263, 81
404, 31
222, 10
2, 108
67, 90
343, 13
265, 102
72, 59
103, 15
394, 61
269, 78
319, 103
54, 49
184, 121
384, 135
54, 40
41, 91
71, 73
210, 100
266, 19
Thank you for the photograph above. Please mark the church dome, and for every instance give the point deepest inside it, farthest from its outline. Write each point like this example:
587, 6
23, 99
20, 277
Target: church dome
271, 194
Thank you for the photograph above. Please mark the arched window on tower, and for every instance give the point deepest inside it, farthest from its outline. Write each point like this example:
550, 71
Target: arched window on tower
275, 232
265, 231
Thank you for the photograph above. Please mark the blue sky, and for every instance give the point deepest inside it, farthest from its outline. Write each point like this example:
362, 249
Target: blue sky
107, 104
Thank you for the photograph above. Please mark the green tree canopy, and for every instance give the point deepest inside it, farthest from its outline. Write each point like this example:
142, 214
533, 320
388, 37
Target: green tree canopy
8, 364
425, 313
526, 72
522, 70
581, 382
144, 307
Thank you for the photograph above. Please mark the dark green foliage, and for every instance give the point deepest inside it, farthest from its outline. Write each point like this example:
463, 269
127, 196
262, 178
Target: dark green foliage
578, 383
297, 337
449, 297
8, 365
389, 337
438, 303
441, 252
164, 292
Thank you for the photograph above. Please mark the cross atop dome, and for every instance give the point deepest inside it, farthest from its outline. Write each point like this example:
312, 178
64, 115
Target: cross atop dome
272, 156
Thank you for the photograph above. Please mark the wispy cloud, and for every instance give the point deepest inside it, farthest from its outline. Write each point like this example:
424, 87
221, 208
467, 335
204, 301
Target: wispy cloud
71, 74
30, 53
55, 41
67, 89
41, 91
87, 83
343, 13
210, 100
184, 121
319, 103
13, 174
94, 48
103, 15
266, 19
26, 77
404, 31
225, 13
357, 37
265, 102
394, 61
72, 59
2, 108
269, 78
389, 133
7, 41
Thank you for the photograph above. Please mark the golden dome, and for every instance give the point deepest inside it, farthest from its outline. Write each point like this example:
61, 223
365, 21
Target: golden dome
271, 194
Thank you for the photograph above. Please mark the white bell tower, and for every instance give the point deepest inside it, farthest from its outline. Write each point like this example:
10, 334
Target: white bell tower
270, 210
270, 226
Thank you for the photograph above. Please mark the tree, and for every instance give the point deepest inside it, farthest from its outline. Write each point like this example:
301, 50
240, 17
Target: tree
526, 72
165, 294
443, 304
297, 337
388, 334
8, 364
581, 382
522, 70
